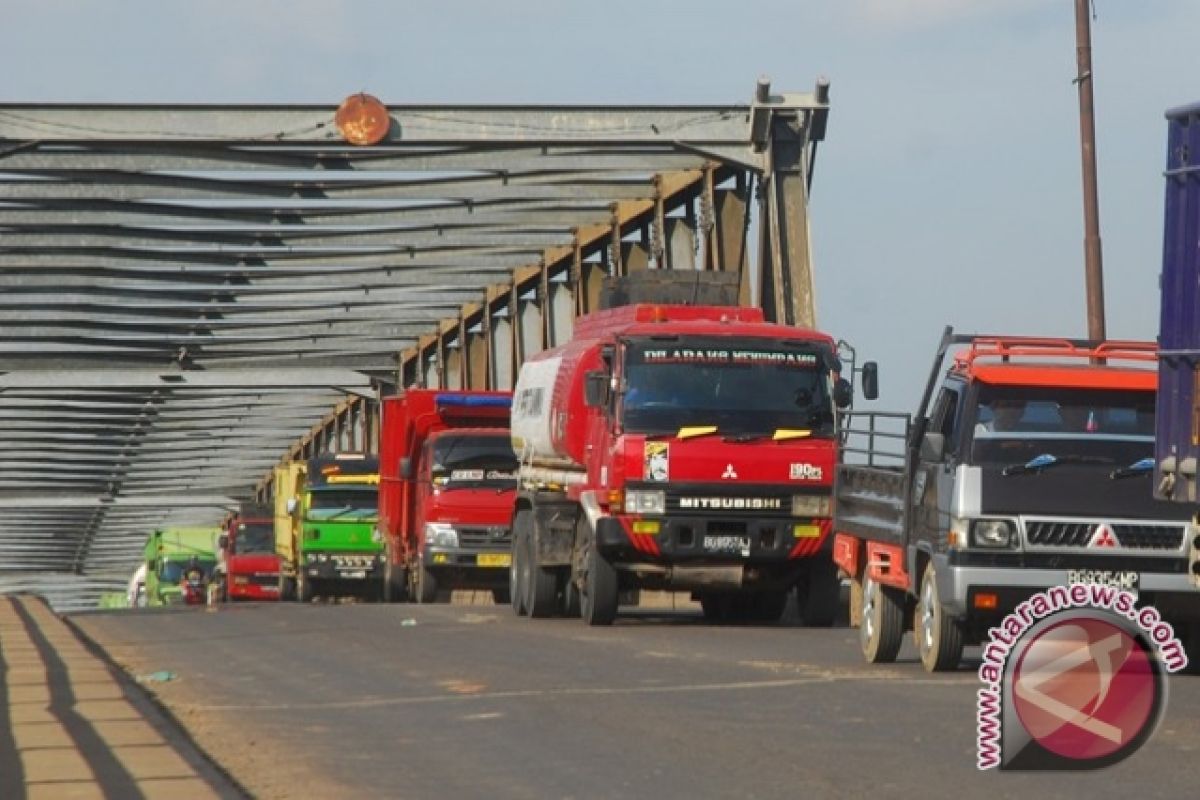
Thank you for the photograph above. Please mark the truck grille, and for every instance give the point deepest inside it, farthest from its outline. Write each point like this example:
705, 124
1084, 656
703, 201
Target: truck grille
726, 501
1047, 533
1149, 537
1059, 534
486, 538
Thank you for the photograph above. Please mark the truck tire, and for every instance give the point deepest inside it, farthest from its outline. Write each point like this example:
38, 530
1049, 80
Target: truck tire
939, 637
426, 588
395, 581
570, 598
767, 606
304, 588
517, 569
882, 627
287, 587
819, 594
715, 607
541, 584
600, 590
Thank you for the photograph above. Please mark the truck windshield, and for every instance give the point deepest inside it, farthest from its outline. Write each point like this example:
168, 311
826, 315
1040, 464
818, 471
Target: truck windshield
342, 503
1015, 424
254, 538
742, 387
172, 571
474, 460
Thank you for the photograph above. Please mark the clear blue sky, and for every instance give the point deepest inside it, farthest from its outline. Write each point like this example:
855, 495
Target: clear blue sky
947, 191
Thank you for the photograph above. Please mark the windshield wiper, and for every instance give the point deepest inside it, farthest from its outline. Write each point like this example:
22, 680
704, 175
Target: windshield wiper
1047, 460
1143, 467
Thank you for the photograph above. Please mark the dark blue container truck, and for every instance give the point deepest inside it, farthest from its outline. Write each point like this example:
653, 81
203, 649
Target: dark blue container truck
1177, 444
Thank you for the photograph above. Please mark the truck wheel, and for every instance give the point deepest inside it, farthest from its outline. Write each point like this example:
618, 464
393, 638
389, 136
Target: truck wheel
600, 590
939, 637
517, 569
304, 587
767, 606
715, 607
541, 584
426, 590
882, 626
395, 581
818, 594
287, 587
570, 598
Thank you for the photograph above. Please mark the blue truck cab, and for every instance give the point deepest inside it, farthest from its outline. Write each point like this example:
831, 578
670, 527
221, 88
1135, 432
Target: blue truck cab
1177, 434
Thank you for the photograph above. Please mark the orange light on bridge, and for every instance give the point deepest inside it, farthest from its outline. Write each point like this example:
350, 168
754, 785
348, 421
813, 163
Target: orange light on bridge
362, 119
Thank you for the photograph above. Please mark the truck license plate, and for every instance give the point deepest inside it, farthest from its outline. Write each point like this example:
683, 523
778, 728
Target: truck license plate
358, 573
493, 559
1106, 577
728, 544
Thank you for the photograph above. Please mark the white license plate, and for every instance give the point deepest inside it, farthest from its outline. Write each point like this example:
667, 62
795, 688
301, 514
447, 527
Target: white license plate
728, 544
1106, 577
358, 573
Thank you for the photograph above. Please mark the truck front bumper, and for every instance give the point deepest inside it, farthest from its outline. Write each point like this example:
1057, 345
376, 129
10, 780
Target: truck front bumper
468, 568
343, 566
253, 587
958, 585
700, 554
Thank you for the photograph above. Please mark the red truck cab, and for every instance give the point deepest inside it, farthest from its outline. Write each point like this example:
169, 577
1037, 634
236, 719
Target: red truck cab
447, 482
249, 567
678, 447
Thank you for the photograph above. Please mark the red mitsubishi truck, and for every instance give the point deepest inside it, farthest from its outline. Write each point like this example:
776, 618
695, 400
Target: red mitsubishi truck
447, 481
678, 447
248, 567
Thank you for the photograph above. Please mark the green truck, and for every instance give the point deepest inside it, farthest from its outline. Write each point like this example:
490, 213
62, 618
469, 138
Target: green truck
326, 527
168, 554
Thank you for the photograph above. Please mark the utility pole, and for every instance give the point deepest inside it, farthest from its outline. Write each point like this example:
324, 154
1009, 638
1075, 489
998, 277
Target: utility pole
1093, 263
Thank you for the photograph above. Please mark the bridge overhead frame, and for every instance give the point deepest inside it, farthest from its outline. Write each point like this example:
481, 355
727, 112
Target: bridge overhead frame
190, 294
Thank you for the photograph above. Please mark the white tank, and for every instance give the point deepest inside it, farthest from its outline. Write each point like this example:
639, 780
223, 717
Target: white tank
532, 410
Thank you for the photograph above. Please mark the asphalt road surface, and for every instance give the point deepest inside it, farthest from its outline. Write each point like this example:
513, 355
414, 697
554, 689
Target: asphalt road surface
470, 701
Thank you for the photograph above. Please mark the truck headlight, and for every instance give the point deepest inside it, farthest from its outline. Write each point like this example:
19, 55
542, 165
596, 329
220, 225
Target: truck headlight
811, 505
439, 534
645, 501
993, 533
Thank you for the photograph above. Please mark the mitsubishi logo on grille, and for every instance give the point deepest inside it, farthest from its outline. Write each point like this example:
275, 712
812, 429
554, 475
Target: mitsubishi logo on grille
730, 473
1103, 537
497, 531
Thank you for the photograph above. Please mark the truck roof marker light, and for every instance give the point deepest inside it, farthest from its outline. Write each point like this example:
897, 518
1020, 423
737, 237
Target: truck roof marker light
658, 314
362, 119
473, 401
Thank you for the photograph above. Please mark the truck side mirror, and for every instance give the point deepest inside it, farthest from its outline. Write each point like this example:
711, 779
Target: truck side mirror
291, 505
405, 467
870, 380
933, 446
843, 393
223, 541
595, 388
